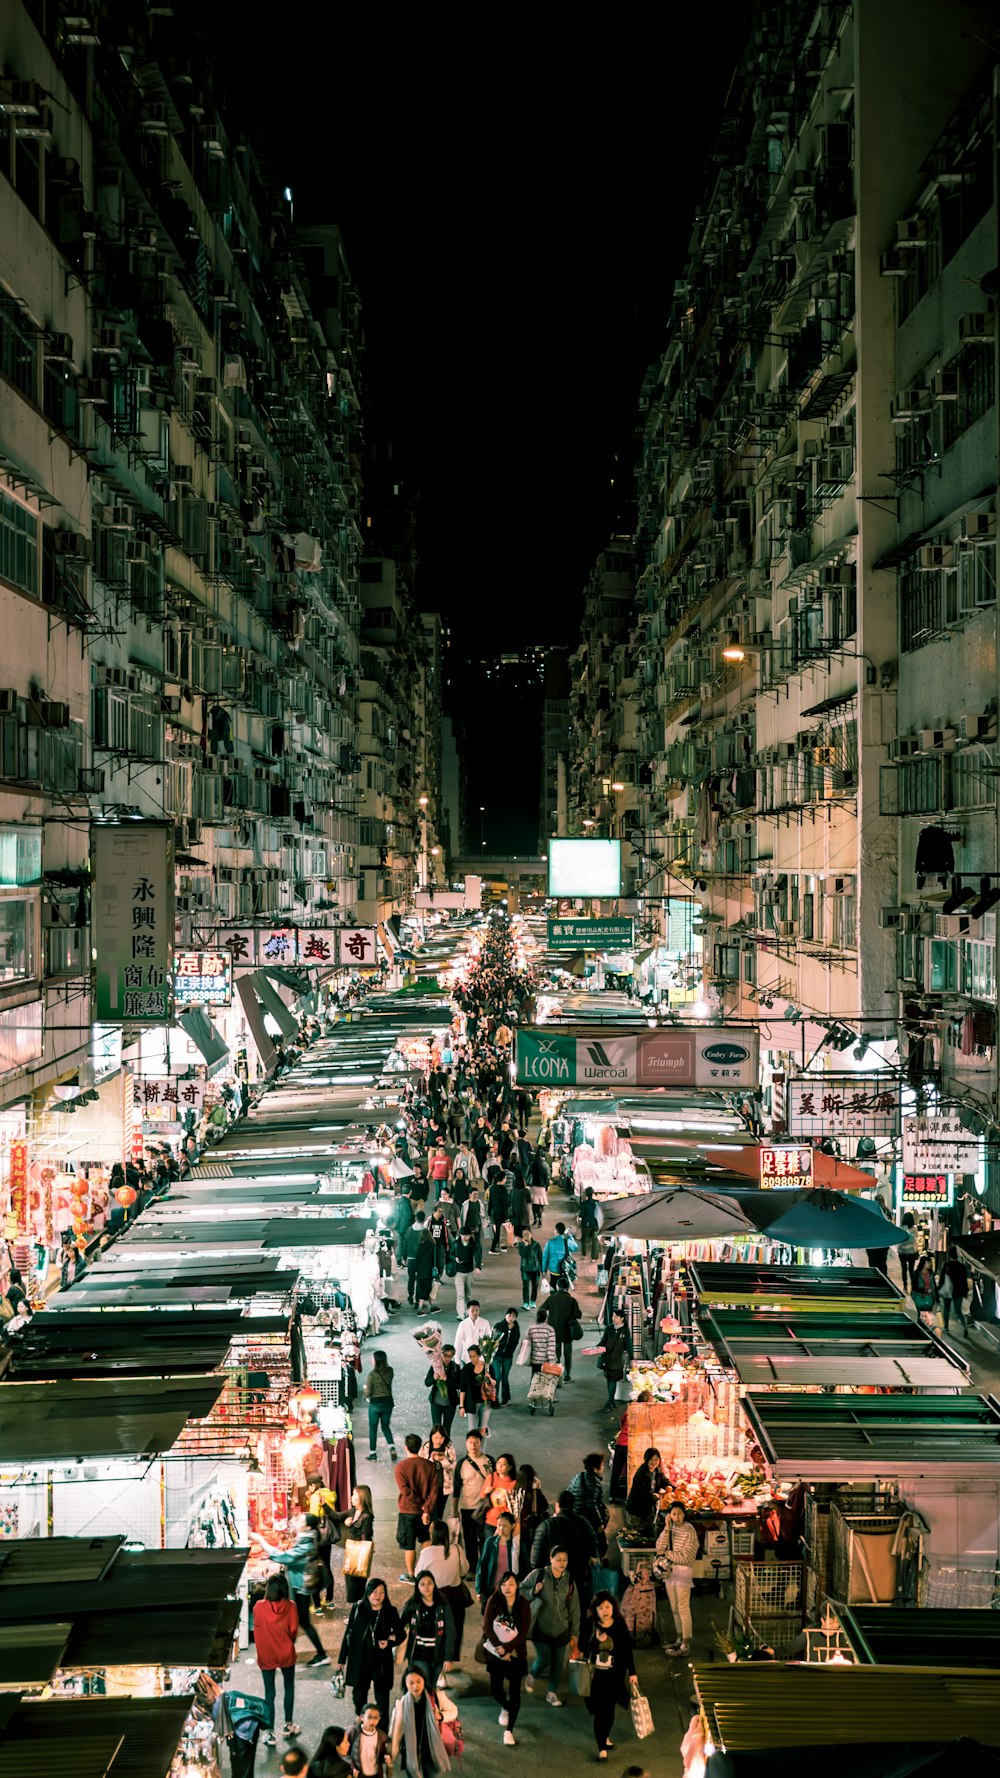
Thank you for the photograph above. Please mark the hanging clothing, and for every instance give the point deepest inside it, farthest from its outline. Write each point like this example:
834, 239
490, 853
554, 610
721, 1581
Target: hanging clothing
935, 855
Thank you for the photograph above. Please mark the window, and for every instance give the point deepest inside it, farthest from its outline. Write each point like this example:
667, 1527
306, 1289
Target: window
20, 1036
18, 946
976, 392
18, 348
18, 546
943, 966
20, 855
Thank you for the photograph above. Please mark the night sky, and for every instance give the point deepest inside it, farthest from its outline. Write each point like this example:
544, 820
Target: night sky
515, 213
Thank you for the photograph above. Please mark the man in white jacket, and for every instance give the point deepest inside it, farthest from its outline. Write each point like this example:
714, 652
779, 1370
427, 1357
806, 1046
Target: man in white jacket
474, 1328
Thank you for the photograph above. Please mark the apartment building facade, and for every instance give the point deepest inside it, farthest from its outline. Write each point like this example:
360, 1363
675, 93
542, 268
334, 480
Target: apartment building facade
180, 542
811, 672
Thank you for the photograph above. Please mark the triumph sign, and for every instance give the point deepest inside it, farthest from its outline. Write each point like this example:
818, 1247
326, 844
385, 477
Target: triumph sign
709, 1057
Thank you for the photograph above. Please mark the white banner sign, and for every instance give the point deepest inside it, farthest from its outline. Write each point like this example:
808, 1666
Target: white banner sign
356, 947
937, 1143
848, 1105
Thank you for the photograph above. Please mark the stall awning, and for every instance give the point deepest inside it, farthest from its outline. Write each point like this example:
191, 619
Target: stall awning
134, 1417
839, 1290
255, 1019
922, 1636
273, 1003
771, 1705
867, 1437
67, 1734
196, 1024
829, 1351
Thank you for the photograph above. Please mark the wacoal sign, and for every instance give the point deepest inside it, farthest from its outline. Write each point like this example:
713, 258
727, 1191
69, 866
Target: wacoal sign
725, 1060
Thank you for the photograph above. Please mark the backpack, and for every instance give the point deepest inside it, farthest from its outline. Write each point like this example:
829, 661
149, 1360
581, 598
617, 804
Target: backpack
567, 1265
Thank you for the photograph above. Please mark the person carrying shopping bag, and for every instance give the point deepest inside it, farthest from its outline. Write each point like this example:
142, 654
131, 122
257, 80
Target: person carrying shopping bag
506, 1624
676, 1554
608, 1648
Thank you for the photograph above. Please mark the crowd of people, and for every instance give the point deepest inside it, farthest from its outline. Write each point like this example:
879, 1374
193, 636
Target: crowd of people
477, 1531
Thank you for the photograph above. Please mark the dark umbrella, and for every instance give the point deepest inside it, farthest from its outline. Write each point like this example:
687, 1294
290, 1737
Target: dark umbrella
818, 1217
680, 1213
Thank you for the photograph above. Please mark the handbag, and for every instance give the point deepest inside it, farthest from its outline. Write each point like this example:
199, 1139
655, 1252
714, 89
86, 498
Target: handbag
574, 1330
358, 1553
642, 1716
479, 1653
467, 1598
451, 1267
337, 1685
524, 1352
580, 1678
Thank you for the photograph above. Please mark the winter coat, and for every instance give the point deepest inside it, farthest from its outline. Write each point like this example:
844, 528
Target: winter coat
296, 1560
360, 1655
588, 1498
430, 1632
275, 1627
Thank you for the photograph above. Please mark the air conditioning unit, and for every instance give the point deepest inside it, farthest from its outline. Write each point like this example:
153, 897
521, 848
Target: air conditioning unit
903, 747
944, 385
910, 404
891, 919
171, 706
42, 714
19, 98
118, 518
787, 928
840, 885
8, 701
91, 781
977, 327
974, 525
93, 392
933, 556
824, 756
182, 474
74, 547
111, 339
35, 126
59, 346
911, 232
932, 740
894, 263
956, 926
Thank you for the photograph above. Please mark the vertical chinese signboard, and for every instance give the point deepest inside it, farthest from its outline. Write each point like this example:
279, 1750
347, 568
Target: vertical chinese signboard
133, 922
18, 1189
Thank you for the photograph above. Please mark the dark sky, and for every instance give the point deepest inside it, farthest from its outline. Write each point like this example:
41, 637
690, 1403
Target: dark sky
515, 209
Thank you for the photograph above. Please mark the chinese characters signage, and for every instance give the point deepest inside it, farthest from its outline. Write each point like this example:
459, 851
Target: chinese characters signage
930, 1190
707, 1057
133, 918
19, 1186
848, 1105
590, 935
167, 1099
203, 978
937, 1143
355, 947
241, 943
789, 1169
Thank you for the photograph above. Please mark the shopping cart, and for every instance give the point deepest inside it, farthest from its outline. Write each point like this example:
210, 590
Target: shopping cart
543, 1386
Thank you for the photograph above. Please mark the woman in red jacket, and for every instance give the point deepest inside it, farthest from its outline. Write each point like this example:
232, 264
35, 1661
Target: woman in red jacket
275, 1627
506, 1623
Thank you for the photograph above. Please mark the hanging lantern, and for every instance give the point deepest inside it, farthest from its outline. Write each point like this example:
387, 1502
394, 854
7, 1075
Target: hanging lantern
305, 1400
296, 1446
125, 1196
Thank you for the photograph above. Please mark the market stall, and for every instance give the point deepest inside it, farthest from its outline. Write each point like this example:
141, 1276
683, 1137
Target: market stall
902, 1636
762, 1347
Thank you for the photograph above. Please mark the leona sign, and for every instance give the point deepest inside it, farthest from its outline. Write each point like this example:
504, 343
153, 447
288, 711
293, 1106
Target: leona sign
706, 1057
590, 935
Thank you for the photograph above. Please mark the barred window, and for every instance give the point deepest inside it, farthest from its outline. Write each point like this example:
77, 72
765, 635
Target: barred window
18, 546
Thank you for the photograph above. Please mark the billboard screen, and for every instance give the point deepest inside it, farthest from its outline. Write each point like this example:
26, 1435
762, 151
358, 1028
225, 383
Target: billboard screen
585, 867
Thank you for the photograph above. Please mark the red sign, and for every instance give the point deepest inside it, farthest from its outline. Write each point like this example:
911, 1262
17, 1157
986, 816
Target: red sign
786, 1169
926, 1188
19, 1184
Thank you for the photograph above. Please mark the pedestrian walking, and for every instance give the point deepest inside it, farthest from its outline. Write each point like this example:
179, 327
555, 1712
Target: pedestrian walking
508, 1342
676, 1555
616, 1345
542, 1346
477, 1392
529, 1506
371, 1635
275, 1627
439, 1449
378, 1394
590, 1219
430, 1630
503, 1552
463, 1258
370, 1745
541, 1175
529, 1255
568, 1530
332, 1758
556, 1625
506, 1623
953, 1290
587, 1489
564, 1319
300, 1563
473, 1328
358, 1529
472, 1475
557, 1256
409, 1248
444, 1558
415, 1744
445, 1388
418, 1480
608, 1648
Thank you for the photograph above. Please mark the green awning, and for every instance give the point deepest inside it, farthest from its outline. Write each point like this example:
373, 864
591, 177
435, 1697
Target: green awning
272, 1002
770, 1705
196, 1024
